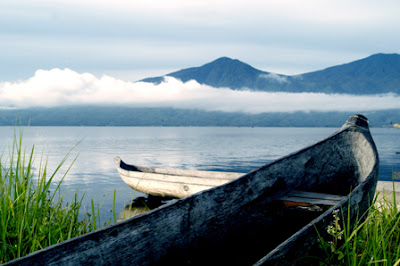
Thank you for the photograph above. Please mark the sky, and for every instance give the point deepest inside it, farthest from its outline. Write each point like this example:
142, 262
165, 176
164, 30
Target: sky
122, 41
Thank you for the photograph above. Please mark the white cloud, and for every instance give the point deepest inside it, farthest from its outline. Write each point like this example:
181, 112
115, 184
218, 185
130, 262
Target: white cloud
274, 77
56, 87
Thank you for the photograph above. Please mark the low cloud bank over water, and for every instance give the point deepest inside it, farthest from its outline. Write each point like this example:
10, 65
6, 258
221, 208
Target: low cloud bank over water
56, 87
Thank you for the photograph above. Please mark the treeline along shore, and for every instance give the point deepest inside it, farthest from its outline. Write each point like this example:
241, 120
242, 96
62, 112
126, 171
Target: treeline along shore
133, 116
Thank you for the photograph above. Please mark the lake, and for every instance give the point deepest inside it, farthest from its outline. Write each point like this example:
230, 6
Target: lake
202, 148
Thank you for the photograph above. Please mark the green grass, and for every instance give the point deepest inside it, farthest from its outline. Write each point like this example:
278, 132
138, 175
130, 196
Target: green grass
374, 240
33, 216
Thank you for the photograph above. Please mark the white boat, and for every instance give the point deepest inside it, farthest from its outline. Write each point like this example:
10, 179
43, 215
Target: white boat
171, 183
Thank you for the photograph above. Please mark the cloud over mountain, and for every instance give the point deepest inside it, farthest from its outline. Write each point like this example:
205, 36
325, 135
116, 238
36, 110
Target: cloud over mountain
275, 77
56, 87
376, 74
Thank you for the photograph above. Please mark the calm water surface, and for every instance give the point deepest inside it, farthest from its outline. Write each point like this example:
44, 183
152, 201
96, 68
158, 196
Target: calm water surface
202, 148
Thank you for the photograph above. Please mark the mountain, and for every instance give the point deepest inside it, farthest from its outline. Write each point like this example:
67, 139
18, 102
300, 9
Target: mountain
379, 73
229, 73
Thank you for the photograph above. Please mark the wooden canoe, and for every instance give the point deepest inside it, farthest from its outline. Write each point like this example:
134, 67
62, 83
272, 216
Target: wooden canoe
171, 183
254, 219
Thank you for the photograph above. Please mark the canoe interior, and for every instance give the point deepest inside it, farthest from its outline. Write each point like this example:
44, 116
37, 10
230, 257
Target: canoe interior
243, 221
250, 237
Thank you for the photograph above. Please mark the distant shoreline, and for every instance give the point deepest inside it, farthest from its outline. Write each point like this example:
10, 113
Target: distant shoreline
175, 117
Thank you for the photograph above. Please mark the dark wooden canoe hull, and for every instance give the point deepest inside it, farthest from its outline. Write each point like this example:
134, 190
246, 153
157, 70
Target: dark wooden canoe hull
241, 222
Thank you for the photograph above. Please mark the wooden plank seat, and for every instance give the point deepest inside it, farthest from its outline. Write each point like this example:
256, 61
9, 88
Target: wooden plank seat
305, 198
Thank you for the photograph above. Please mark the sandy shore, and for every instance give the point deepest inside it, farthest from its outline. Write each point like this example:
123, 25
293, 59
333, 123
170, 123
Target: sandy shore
386, 188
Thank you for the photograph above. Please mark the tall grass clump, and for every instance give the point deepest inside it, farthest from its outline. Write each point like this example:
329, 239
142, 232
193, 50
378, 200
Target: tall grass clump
374, 240
33, 215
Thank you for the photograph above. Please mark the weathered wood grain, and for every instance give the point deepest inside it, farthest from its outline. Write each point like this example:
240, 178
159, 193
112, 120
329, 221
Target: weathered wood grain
312, 198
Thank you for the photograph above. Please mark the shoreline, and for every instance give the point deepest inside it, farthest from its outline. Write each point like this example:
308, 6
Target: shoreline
387, 188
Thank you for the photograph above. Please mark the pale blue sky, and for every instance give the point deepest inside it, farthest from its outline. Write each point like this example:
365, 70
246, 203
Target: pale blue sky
131, 40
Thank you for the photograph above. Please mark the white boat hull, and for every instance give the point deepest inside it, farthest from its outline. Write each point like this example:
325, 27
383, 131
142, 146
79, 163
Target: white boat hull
173, 183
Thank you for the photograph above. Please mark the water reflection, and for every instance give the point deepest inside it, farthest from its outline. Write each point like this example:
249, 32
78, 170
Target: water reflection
142, 205
396, 176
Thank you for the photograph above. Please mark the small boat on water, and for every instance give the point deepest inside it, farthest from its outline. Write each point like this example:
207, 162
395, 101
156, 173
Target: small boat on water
171, 183
269, 216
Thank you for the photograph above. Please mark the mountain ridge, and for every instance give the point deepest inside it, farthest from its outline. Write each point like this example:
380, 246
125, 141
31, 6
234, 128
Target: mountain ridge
376, 74
222, 72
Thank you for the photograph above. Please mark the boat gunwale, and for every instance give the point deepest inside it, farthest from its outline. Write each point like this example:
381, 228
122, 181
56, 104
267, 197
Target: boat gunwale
175, 172
141, 179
